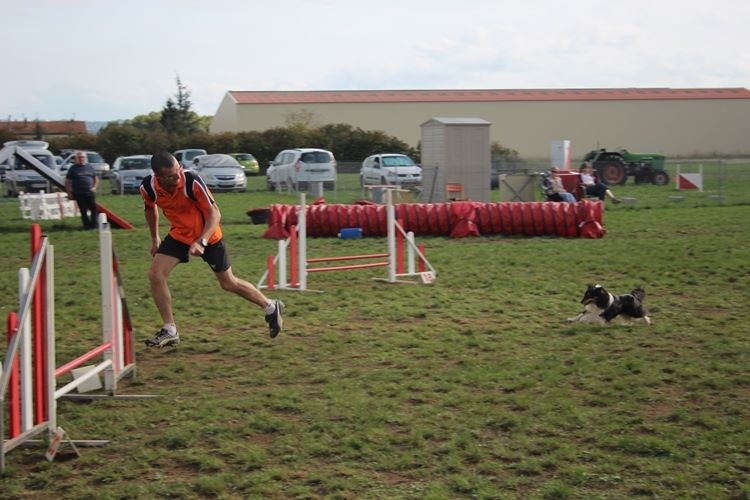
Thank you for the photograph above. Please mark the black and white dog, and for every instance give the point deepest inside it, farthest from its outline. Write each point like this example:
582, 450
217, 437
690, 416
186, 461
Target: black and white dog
600, 306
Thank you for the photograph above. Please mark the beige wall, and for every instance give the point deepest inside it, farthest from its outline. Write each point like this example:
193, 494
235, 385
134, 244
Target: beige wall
670, 127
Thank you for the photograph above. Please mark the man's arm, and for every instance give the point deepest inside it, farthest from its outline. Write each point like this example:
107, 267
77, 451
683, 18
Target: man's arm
96, 182
152, 219
69, 188
212, 222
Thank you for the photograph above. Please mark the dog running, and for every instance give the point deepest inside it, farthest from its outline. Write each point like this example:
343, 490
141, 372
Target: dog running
600, 306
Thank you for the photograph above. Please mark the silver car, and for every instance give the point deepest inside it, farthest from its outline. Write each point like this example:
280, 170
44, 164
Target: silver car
128, 173
220, 172
20, 177
297, 168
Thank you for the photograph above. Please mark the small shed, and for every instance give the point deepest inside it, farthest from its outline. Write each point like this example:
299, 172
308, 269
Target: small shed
456, 150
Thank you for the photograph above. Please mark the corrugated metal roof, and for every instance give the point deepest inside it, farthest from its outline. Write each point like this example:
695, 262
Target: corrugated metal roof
478, 95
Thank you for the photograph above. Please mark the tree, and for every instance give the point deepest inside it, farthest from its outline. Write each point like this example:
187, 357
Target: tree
120, 140
149, 122
303, 119
38, 131
177, 116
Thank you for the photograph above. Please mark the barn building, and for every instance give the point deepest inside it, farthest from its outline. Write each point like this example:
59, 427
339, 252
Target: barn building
686, 122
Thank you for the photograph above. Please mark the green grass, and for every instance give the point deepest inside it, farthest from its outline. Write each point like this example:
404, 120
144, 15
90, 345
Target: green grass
474, 386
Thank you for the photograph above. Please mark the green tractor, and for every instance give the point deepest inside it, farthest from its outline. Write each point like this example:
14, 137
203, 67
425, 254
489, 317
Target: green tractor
614, 167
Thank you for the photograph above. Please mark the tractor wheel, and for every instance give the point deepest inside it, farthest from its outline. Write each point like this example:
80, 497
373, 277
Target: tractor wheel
661, 178
613, 173
644, 175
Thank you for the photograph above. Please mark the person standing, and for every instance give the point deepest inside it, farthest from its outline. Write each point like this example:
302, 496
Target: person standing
194, 218
81, 182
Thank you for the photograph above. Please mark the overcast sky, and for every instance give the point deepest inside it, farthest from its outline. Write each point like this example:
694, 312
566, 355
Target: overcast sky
100, 60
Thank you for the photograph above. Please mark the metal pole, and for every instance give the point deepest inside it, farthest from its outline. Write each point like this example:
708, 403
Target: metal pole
24, 355
50, 358
391, 220
108, 326
302, 242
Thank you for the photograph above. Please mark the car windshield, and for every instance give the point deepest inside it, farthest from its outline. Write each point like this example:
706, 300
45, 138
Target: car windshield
94, 158
135, 164
189, 155
219, 161
47, 160
397, 161
244, 157
316, 157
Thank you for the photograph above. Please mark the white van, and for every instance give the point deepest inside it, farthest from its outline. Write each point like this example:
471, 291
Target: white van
297, 168
22, 178
185, 156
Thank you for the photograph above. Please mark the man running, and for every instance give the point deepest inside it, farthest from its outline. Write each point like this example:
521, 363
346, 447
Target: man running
194, 219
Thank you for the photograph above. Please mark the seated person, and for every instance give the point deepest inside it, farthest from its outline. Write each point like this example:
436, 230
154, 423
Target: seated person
591, 185
553, 187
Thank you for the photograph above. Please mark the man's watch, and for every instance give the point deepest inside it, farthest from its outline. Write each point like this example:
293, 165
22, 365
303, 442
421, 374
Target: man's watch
203, 242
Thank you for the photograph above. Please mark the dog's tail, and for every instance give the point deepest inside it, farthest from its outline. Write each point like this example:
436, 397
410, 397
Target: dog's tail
639, 293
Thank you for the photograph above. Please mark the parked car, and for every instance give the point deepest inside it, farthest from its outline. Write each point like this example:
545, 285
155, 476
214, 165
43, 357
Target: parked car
92, 157
390, 169
296, 168
128, 172
19, 177
185, 156
248, 162
220, 172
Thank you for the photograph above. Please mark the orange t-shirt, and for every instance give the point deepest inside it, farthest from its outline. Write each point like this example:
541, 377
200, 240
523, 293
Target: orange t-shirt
186, 216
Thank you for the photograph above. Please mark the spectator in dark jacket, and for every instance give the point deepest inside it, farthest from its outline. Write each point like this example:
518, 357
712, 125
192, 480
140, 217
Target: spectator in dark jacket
80, 184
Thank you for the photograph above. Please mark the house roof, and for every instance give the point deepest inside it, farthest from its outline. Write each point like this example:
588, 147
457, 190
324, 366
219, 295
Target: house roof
479, 95
29, 127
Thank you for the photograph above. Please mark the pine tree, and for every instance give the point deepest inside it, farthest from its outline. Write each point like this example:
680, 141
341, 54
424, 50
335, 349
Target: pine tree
177, 116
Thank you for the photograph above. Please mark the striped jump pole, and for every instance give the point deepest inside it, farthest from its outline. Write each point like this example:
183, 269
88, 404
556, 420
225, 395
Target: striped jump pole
28, 377
300, 264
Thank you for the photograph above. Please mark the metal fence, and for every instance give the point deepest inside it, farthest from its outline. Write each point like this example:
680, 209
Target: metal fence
725, 182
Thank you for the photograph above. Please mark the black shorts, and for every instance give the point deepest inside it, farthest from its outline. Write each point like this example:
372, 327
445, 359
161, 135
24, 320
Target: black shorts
215, 254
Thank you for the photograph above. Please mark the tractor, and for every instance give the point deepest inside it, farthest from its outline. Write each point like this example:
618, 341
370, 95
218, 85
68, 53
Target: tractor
614, 167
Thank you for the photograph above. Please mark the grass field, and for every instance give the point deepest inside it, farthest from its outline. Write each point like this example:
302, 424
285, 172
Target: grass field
472, 387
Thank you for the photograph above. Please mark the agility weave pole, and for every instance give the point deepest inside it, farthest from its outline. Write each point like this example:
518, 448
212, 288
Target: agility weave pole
299, 263
28, 376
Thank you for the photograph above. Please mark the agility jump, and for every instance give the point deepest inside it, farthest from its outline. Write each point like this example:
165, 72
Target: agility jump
28, 376
295, 246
